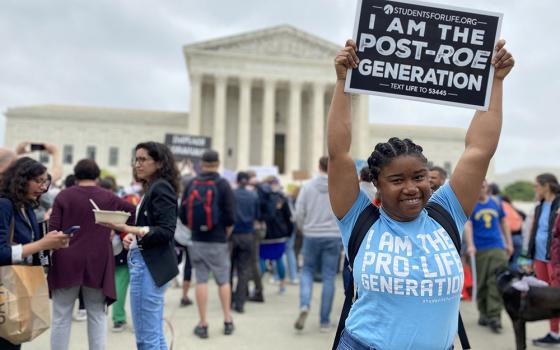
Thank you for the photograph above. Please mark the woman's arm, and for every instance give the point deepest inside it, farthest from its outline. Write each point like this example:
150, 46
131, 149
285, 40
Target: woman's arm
13, 254
343, 181
482, 137
468, 234
506, 233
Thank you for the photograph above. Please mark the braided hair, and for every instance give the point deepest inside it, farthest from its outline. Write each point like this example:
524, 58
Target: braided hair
385, 152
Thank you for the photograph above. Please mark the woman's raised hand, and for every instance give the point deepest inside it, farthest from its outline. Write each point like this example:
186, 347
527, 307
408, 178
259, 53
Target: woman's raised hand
503, 60
346, 58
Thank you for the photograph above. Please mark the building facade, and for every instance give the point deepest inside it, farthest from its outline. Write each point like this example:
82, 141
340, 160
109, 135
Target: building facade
107, 135
262, 97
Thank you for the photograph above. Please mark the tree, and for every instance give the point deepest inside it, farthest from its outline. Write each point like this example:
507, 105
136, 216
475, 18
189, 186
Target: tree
520, 191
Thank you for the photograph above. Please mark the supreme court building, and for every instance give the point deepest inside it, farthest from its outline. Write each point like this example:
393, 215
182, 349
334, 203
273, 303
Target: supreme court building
261, 96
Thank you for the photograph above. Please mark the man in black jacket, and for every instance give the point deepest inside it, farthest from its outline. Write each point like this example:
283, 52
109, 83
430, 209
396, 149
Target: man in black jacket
208, 209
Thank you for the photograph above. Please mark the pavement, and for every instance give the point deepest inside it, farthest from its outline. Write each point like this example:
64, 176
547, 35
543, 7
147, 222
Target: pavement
271, 326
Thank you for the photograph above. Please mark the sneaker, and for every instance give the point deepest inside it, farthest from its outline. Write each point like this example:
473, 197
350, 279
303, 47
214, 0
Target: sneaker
325, 328
201, 331
228, 328
186, 302
495, 326
257, 298
118, 327
80, 316
547, 341
483, 321
300, 322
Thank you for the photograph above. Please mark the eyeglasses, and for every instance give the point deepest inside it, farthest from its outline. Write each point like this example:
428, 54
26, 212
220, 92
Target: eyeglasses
140, 160
46, 183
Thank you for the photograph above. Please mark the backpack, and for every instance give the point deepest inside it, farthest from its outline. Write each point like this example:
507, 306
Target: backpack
365, 220
202, 205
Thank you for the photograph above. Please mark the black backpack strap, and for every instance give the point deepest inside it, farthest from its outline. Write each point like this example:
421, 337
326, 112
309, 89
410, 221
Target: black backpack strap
366, 219
442, 216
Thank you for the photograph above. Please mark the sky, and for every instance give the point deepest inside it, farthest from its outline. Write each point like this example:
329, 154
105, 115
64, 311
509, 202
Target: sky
128, 54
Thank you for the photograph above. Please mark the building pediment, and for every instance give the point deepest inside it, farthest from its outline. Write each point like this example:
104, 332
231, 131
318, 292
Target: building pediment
281, 42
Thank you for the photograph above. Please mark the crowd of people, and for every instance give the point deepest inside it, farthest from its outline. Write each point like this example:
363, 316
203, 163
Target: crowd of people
234, 232
237, 232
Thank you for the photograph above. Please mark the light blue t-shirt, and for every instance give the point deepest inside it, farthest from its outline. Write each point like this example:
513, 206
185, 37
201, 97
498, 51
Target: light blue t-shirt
541, 238
409, 278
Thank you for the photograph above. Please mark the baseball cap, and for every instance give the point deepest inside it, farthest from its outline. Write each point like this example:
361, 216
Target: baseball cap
210, 156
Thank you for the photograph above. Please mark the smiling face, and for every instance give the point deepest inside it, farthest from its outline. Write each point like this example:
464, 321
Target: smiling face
404, 187
37, 186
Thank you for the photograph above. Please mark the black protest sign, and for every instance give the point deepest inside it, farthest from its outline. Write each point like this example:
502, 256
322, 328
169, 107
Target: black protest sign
187, 147
421, 51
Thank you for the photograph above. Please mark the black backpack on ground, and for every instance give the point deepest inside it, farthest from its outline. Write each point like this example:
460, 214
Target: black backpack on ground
365, 220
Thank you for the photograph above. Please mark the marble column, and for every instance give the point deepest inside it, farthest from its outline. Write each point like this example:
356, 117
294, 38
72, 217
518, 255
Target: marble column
196, 104
268, 121
219, 135
243, 137
293, 140
360, 127
317, 125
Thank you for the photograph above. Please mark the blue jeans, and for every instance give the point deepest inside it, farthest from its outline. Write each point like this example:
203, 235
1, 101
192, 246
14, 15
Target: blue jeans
327, 251
291, 258
517, 241
146, 304
347, 342
277, 265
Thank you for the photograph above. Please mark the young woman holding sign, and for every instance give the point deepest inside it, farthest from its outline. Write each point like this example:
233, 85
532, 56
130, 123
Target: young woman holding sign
407, 271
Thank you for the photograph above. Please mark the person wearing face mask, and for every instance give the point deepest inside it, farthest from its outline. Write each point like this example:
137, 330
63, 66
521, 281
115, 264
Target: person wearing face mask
21, 185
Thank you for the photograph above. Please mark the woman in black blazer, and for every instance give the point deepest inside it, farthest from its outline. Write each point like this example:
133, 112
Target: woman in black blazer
151, 259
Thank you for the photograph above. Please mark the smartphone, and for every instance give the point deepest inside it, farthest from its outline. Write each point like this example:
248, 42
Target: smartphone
72, 229
37, 147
